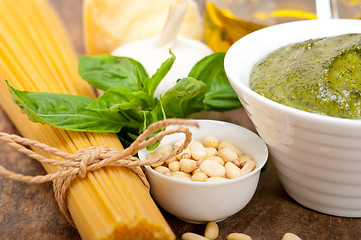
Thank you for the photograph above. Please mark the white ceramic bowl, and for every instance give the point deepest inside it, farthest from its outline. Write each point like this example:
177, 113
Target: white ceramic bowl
201, 202
318, 158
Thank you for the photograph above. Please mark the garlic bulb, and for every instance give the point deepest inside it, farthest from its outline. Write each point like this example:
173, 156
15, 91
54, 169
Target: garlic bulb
187, 51
152, 52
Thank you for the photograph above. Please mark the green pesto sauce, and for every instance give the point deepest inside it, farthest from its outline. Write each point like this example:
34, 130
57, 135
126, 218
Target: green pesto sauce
321, 76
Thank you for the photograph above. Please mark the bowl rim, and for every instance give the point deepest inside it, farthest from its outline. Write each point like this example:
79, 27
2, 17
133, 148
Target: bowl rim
217, 183
233, 76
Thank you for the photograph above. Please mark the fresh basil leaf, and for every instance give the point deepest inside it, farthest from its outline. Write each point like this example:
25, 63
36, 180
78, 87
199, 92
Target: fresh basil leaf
210, 70
106, 71
116, 99
152, 83
221, 101
152, 116
184, 98
66, 112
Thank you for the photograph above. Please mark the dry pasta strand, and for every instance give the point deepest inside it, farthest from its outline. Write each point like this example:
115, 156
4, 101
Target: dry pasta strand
36, 55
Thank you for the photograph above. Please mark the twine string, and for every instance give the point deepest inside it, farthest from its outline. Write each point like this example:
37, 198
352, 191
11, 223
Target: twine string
77, 165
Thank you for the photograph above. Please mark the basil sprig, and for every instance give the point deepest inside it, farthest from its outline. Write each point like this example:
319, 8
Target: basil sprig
128, 105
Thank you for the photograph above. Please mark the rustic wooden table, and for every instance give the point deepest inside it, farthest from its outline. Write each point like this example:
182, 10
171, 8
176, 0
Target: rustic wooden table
30, 211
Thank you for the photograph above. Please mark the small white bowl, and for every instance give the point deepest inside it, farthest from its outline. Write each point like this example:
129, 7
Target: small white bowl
318, 158
201, 202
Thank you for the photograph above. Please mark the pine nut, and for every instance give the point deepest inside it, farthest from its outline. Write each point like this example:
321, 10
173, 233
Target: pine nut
226, 143
290, 236
232, 171
155, 156
210, 142
211, 151
212, 168
163, 170
164, 149
192, 236
186, 153
197, 150
174, 166
212, 231
199, 176
238, 236
187, 165
243, 159
237, 162
248, 167
197, 171
228, 154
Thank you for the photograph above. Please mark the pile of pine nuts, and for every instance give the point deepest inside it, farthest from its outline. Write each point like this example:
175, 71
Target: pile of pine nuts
211, 161
212, 231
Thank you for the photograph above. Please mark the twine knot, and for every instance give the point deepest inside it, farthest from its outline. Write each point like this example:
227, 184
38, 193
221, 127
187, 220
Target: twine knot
86, 157
77, 165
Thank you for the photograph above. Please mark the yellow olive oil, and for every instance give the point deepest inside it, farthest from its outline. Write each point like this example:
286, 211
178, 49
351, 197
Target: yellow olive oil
226, 21
222, 28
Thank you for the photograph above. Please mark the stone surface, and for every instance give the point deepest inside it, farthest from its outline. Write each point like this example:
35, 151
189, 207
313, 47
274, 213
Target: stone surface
30, 211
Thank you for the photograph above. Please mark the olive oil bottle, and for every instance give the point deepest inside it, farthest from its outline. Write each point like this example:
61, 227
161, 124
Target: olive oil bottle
228, 20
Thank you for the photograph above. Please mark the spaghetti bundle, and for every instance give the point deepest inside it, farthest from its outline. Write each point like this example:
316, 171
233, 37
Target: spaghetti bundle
36, 56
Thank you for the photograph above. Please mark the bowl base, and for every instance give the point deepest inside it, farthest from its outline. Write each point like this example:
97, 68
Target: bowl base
200, 222
322, 208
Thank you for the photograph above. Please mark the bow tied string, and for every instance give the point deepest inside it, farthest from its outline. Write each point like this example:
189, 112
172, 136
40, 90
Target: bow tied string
77, 165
